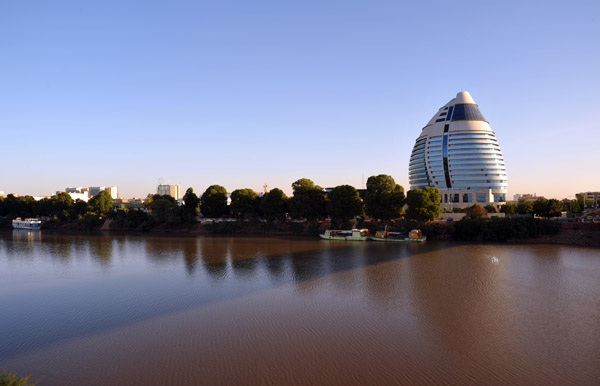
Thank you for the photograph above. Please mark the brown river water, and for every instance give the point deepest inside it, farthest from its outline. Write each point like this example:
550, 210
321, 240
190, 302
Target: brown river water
149, 310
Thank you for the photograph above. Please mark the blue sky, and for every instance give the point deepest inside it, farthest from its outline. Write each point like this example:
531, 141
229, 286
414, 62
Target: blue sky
243, 93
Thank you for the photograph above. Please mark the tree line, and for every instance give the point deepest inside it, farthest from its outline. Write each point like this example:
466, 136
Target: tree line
383, 199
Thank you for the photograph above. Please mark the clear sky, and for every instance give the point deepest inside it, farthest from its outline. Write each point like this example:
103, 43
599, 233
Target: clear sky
243, 93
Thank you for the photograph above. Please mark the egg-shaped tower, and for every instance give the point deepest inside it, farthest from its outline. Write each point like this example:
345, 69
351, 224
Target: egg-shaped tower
457, 152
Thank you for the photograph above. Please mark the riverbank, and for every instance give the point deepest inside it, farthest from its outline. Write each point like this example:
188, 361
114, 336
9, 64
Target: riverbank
511, 231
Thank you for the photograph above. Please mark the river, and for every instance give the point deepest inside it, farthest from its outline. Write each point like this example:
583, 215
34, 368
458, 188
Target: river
104, 309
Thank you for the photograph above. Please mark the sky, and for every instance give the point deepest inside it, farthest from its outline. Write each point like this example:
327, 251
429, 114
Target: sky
247, 93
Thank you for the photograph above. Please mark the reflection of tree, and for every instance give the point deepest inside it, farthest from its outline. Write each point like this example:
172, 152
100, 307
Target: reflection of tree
276, 266
190, 254
214, 253
101, 248
164, 249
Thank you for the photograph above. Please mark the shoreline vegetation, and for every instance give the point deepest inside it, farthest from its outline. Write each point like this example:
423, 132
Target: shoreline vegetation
310, 211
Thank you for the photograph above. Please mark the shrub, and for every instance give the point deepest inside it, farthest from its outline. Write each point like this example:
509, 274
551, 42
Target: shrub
10, 379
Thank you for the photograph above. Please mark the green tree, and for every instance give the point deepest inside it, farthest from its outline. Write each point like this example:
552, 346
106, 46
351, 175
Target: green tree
101, 203
423, 205
580, 197
244, 202
547, 208
554, 208
508, 208
164, 208
308, 200
384, 199
524, 207
78, 209
476, 211
213, 202
273, 204
571, 206
190, 205
344, 203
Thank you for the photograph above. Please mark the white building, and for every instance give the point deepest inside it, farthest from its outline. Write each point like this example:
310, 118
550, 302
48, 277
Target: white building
84, 196
457, 152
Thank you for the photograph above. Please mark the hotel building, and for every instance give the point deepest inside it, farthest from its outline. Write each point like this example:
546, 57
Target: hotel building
457, 152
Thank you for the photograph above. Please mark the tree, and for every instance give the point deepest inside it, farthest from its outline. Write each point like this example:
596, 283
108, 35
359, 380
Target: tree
273, 204
101, 203
423, 205
571, 206
580, 197
190, 204
524, 207
308, 200
384, 199
554, 208
508, 208
79, 208
476, 211
243, 202
547, 208
164, 208
344, 203
490, 209
213, 202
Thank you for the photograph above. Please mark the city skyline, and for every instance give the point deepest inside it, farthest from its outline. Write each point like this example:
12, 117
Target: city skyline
246, 94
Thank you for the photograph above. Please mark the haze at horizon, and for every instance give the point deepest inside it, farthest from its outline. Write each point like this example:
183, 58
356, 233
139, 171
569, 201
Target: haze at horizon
240, 94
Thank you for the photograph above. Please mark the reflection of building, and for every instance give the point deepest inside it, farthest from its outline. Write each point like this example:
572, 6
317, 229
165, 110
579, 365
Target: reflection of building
170, 190
457, 152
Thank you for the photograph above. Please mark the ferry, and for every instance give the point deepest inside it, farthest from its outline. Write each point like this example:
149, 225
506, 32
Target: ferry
398, 237
28, 223
346, 235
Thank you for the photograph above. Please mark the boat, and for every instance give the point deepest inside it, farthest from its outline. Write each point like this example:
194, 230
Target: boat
28, 223
399, 237
346, 235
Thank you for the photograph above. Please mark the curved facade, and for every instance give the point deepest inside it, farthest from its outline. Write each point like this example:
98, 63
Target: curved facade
457, 152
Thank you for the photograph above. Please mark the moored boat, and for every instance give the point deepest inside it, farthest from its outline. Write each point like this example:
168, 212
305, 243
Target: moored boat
346, 235
398, 237
28, 223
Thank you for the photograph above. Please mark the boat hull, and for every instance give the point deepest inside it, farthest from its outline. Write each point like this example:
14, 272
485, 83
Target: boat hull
405, 240
344, 238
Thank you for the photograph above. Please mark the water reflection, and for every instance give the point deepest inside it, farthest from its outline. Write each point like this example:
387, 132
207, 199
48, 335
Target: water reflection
28, 236
447, 312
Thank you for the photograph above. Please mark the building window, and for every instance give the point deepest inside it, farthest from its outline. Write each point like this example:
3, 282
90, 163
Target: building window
481, 197
499, 197
455, 197
467, 197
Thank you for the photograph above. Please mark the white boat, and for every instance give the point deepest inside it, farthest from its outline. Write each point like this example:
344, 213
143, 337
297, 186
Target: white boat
28, 223
346, 235
398, 237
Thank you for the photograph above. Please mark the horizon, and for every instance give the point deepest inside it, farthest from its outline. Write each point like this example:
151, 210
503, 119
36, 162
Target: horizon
244, 95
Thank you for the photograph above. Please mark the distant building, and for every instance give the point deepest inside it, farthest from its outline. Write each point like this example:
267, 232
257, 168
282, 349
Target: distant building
170, 190
526, 197
79, 189
94, 190
76, 195
594, 196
